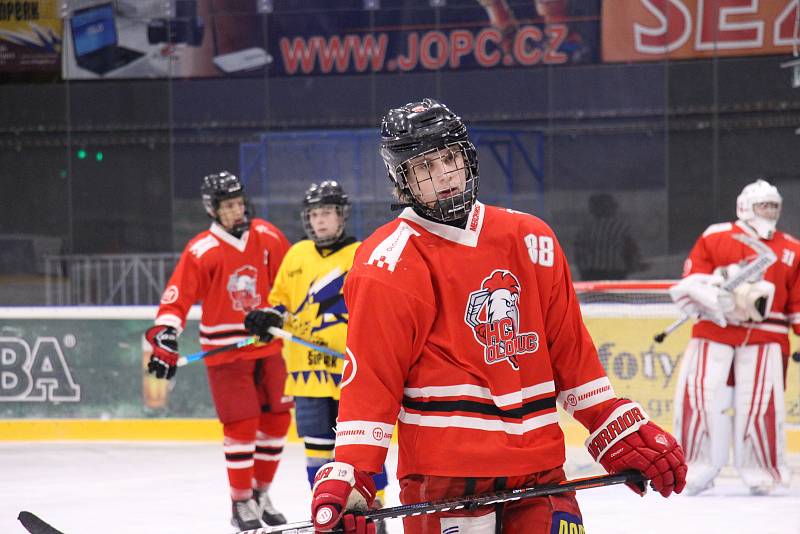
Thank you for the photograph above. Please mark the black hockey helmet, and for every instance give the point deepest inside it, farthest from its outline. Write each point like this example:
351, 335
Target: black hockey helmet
327, 193
421, 128
219, 187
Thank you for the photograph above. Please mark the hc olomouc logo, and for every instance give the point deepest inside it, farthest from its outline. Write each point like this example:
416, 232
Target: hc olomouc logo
493, 314
243, 290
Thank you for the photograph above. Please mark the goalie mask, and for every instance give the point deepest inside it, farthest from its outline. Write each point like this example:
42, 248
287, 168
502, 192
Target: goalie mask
224, 186
322, 227
430, 159
759, 206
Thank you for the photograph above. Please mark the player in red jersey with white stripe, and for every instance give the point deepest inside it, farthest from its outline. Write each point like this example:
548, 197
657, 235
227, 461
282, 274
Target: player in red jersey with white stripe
739, 350
230, 268
464, 327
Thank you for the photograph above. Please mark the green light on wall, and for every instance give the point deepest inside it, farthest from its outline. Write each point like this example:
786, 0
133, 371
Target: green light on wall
81, 154
99, 156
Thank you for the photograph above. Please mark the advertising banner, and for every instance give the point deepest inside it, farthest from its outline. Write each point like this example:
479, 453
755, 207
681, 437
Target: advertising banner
30, 36
90, 363
75, 367
224, 38
645, 30
647, 372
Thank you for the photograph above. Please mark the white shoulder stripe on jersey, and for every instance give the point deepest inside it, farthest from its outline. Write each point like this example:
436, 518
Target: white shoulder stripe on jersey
586, 395
204, 245
471, 390
387, 253
477, 423
717, 228
373, 433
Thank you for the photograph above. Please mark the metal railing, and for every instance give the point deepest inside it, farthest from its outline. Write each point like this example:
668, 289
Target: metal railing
107, 279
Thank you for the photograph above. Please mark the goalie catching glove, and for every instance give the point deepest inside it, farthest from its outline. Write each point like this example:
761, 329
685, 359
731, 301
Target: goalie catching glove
258, 322
700, 295
625, 439
164, 342
339, 490
750, 301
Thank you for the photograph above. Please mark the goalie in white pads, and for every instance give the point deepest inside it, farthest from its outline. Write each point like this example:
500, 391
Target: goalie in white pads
731, 380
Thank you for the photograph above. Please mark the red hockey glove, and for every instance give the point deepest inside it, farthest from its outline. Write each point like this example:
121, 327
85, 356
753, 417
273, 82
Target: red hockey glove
626, 439
258, 322
164, 360
339, 490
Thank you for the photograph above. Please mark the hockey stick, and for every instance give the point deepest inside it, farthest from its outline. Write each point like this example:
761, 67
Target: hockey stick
758, 266
183, 360
283, 334
275, 331
35, 525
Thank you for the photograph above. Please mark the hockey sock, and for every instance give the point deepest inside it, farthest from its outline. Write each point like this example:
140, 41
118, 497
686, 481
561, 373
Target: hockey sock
239, 446
270, 439
381, 481
319, 451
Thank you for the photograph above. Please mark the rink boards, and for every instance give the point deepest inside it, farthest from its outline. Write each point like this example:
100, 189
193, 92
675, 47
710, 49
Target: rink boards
78, 373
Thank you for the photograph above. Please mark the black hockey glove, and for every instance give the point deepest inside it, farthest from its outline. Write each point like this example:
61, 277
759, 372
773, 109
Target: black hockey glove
164, 342
258, 322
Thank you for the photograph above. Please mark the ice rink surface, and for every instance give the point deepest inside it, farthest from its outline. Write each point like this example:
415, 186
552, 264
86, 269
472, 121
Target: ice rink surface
152, 488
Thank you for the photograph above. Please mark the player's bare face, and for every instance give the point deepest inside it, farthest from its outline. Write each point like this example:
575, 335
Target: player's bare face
437, 175
770, 211
325, 221
231, 212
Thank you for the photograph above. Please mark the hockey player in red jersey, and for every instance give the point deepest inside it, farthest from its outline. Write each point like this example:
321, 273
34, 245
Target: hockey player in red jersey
230, 268
465, 329
737, 357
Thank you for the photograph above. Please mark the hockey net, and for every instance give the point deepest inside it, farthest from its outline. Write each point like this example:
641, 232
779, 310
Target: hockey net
623, 317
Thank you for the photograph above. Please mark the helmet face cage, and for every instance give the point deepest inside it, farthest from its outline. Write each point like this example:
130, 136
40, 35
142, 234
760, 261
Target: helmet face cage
426, 135
441, 182
759, 206
328, 193
219, 187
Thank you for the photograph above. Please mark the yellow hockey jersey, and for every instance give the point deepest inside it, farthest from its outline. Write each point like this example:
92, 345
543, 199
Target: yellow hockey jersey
309, 287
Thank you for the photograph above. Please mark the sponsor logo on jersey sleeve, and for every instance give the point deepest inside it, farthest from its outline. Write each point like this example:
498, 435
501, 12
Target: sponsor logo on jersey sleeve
493, 314
242, 289
349, 368
170, 295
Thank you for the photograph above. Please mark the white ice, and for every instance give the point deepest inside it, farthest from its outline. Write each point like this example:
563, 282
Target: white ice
144, 488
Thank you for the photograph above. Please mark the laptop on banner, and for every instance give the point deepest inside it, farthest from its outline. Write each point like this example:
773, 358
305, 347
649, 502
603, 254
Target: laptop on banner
94, 39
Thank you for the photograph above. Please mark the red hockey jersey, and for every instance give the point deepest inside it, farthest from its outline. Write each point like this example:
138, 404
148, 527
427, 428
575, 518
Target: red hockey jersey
232, 277
722, 244
468, 337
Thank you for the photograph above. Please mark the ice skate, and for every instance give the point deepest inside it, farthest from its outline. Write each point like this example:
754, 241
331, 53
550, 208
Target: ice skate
269, 514
244, 515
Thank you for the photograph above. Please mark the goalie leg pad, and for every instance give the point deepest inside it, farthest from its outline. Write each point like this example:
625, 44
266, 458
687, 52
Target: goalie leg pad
703, 401
759, 439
